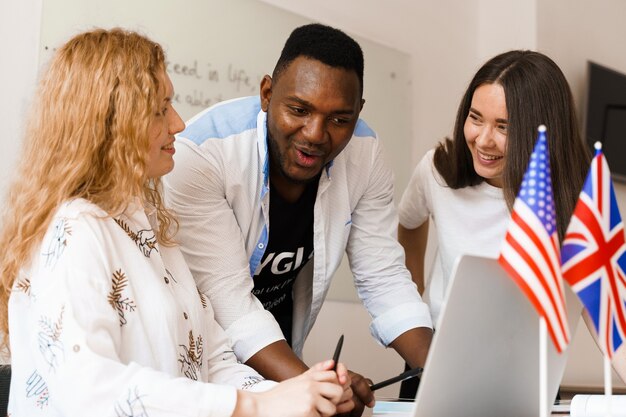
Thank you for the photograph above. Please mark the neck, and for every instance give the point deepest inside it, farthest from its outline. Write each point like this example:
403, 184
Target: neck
290, 191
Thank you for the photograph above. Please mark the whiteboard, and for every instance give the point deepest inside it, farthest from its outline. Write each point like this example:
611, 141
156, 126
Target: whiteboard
220, 49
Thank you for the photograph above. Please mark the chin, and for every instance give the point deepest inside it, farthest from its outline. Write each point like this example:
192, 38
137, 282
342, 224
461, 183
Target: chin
161, 172
300, 179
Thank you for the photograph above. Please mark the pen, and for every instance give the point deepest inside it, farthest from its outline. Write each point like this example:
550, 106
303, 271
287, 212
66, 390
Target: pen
404, 375
337, 352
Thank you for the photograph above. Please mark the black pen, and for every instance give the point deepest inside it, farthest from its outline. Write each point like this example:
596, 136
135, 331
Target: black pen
337, 352
404, 375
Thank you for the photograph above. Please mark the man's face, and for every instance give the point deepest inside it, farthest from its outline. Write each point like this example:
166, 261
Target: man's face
312, 110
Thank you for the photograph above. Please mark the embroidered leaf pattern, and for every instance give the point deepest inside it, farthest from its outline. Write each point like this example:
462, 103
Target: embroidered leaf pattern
23, 285
190, 358
49, 339
37, 388
144, 238
58, 325
121, 305
131, 406
203, 299
58, 242
251, 381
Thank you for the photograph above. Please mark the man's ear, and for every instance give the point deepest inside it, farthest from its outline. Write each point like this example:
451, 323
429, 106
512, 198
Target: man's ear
362, 104
266, 92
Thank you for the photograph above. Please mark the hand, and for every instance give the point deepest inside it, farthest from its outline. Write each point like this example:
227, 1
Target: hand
315, 393
346, 403
362, 395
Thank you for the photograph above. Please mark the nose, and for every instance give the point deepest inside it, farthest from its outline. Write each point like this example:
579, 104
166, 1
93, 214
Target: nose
485, 136
175, 124
314, 130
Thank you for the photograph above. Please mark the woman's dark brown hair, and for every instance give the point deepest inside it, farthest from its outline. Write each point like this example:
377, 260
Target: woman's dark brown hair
536, 93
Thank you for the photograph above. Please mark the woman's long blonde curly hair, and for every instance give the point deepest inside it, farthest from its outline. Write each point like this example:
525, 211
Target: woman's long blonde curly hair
87, 137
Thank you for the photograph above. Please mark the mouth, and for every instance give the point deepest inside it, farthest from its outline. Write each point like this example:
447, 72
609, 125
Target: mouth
169, 148
308, 158
488, 158
309, 151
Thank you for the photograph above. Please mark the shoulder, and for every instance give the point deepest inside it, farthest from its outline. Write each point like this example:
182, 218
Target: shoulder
78, 208
363, 140
225, 119
363, 150
76, 234
78, 220
428, 157
362, 130
426, 172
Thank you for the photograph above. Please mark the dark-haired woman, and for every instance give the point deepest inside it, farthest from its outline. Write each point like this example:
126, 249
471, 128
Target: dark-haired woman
467, 185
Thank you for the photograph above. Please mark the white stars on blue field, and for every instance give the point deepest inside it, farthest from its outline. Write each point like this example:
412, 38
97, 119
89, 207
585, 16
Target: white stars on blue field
536, 189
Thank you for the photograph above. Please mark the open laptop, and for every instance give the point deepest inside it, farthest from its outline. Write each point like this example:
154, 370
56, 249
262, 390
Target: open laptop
484, 358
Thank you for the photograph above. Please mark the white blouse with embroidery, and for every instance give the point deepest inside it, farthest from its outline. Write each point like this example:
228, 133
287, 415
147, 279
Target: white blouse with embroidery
108, 322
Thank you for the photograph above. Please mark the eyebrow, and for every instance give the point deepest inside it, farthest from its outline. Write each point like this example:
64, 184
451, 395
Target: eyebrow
305, 103
473, 110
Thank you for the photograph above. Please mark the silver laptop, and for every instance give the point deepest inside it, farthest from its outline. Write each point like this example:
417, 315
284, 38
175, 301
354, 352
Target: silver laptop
484, 359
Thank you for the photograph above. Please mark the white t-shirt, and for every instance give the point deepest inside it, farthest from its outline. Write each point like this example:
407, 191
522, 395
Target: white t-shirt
106, 321
470, 220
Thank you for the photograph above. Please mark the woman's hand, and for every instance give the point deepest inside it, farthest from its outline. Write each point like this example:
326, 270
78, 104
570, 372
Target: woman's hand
315, 393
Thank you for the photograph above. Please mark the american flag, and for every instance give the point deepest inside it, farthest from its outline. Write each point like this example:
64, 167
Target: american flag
530, 251
594, 256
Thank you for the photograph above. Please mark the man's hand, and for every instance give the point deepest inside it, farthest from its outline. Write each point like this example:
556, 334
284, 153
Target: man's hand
362, 395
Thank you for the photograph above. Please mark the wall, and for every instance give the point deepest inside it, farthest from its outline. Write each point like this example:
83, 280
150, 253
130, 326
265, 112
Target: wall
590, 31
19, 48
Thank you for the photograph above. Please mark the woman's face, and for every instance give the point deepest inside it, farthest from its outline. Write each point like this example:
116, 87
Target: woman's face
165, 124
485, 132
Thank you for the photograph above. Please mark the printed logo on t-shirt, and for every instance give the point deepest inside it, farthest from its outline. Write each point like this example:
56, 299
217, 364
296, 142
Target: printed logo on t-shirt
273, 266
283, 262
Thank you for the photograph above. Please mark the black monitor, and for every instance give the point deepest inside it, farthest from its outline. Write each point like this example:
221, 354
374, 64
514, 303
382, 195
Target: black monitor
606, 116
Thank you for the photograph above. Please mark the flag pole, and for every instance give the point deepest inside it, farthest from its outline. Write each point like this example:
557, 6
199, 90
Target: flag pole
543, 367
608, 382
608, 385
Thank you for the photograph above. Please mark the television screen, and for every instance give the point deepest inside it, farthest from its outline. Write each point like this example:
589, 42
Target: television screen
606, 116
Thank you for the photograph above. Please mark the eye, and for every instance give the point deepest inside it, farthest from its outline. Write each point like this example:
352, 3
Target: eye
502, 128
340, 120
298, 110
473, 117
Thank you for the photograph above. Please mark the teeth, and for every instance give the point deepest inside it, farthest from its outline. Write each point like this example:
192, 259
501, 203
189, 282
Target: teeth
489, 157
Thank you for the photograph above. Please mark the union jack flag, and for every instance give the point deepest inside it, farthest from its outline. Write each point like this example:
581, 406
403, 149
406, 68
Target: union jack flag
530, 251
594, 256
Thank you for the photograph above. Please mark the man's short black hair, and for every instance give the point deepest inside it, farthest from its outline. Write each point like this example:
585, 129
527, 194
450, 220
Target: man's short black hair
322, 43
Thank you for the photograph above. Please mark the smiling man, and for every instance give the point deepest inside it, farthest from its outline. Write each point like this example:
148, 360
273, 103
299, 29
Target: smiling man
271, 191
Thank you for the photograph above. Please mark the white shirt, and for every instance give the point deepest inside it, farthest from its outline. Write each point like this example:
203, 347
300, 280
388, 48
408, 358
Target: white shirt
219, 190
106, 321
470, 220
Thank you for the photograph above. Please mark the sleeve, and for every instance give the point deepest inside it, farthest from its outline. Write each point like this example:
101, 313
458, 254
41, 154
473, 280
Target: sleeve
414, 208
377, 260
222, 363
79, 341
213, 245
